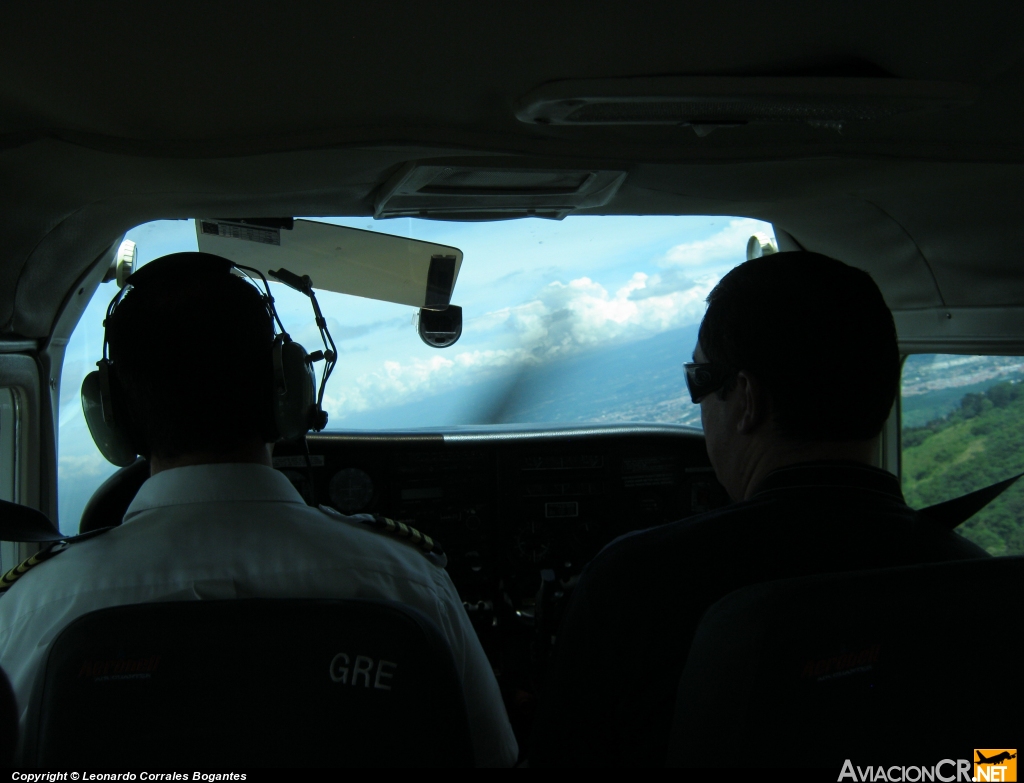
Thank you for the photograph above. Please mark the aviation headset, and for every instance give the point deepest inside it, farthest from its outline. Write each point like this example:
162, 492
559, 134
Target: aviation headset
297, 406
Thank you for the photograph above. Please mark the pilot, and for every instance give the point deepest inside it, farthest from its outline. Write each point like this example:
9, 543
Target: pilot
191, 348
796, 370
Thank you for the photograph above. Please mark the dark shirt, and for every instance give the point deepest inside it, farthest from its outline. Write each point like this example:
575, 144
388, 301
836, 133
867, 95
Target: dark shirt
623, 643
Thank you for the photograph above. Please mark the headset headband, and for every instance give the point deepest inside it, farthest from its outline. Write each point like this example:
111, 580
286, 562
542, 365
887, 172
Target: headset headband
297, 406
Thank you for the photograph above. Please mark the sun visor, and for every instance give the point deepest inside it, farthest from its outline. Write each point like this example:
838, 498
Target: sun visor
21, 523
340, 259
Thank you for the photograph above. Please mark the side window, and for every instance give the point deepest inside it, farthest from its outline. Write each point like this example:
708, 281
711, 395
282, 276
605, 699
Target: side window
963, 429
80, 466
8, 444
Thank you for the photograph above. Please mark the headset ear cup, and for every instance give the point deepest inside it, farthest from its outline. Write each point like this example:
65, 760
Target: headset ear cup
294, 398
107, 432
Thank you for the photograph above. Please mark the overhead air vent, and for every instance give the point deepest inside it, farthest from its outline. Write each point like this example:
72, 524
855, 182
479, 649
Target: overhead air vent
709, 102
460, 192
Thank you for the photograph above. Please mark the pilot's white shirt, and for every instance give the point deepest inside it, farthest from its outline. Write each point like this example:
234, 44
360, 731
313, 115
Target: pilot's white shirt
242, 531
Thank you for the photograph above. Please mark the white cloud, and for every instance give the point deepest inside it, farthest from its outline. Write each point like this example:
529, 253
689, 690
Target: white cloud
565, 319
398, 382
568, 317
89, 466
728, 246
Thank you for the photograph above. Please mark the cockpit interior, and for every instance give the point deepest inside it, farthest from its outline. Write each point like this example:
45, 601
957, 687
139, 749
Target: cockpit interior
512, 217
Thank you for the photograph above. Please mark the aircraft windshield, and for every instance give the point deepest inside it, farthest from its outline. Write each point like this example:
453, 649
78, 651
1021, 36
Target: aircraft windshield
582, 320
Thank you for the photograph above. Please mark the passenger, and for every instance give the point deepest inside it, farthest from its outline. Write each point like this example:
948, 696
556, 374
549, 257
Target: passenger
797, 370
215, 520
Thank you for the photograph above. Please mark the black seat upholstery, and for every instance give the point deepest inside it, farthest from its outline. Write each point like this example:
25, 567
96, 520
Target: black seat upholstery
8, 722
111, 499
905, 666
256, 682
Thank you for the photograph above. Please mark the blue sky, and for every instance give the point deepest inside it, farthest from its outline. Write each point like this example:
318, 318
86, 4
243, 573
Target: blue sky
533, 292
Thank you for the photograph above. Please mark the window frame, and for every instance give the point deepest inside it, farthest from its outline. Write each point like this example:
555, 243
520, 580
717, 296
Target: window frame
24, 456
892, 455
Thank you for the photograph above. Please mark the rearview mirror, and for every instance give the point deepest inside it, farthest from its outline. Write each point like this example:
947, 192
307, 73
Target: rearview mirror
440, 328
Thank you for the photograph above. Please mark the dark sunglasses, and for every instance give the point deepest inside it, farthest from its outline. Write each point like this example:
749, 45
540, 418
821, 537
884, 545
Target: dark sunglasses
702, 378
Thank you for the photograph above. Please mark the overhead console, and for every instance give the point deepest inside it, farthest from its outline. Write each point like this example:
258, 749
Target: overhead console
493, 190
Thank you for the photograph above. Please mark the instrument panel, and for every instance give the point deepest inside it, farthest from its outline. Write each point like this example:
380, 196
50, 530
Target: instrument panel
513, 503
519, 512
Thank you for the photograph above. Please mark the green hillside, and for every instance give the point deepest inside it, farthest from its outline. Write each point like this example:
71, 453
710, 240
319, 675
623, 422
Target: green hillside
978, 443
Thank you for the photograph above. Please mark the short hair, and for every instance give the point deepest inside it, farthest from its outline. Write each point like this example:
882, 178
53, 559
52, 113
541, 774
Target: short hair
817, 334
191, 346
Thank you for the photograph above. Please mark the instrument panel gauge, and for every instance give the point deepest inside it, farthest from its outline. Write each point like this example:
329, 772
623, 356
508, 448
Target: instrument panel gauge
531, 542
351, 490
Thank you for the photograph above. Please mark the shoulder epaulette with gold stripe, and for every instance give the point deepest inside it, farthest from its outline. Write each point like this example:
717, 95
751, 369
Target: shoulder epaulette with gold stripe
12, 576
422, 541
7, 580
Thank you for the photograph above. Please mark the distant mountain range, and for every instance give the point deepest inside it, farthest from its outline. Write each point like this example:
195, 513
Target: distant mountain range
643, 381
933, 385
640, 381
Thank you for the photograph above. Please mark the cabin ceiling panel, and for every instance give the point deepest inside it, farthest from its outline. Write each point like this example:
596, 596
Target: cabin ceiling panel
260, 76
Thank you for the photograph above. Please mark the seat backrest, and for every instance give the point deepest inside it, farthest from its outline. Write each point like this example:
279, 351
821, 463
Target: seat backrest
905, 666
8, 722
255, 682
110, 501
